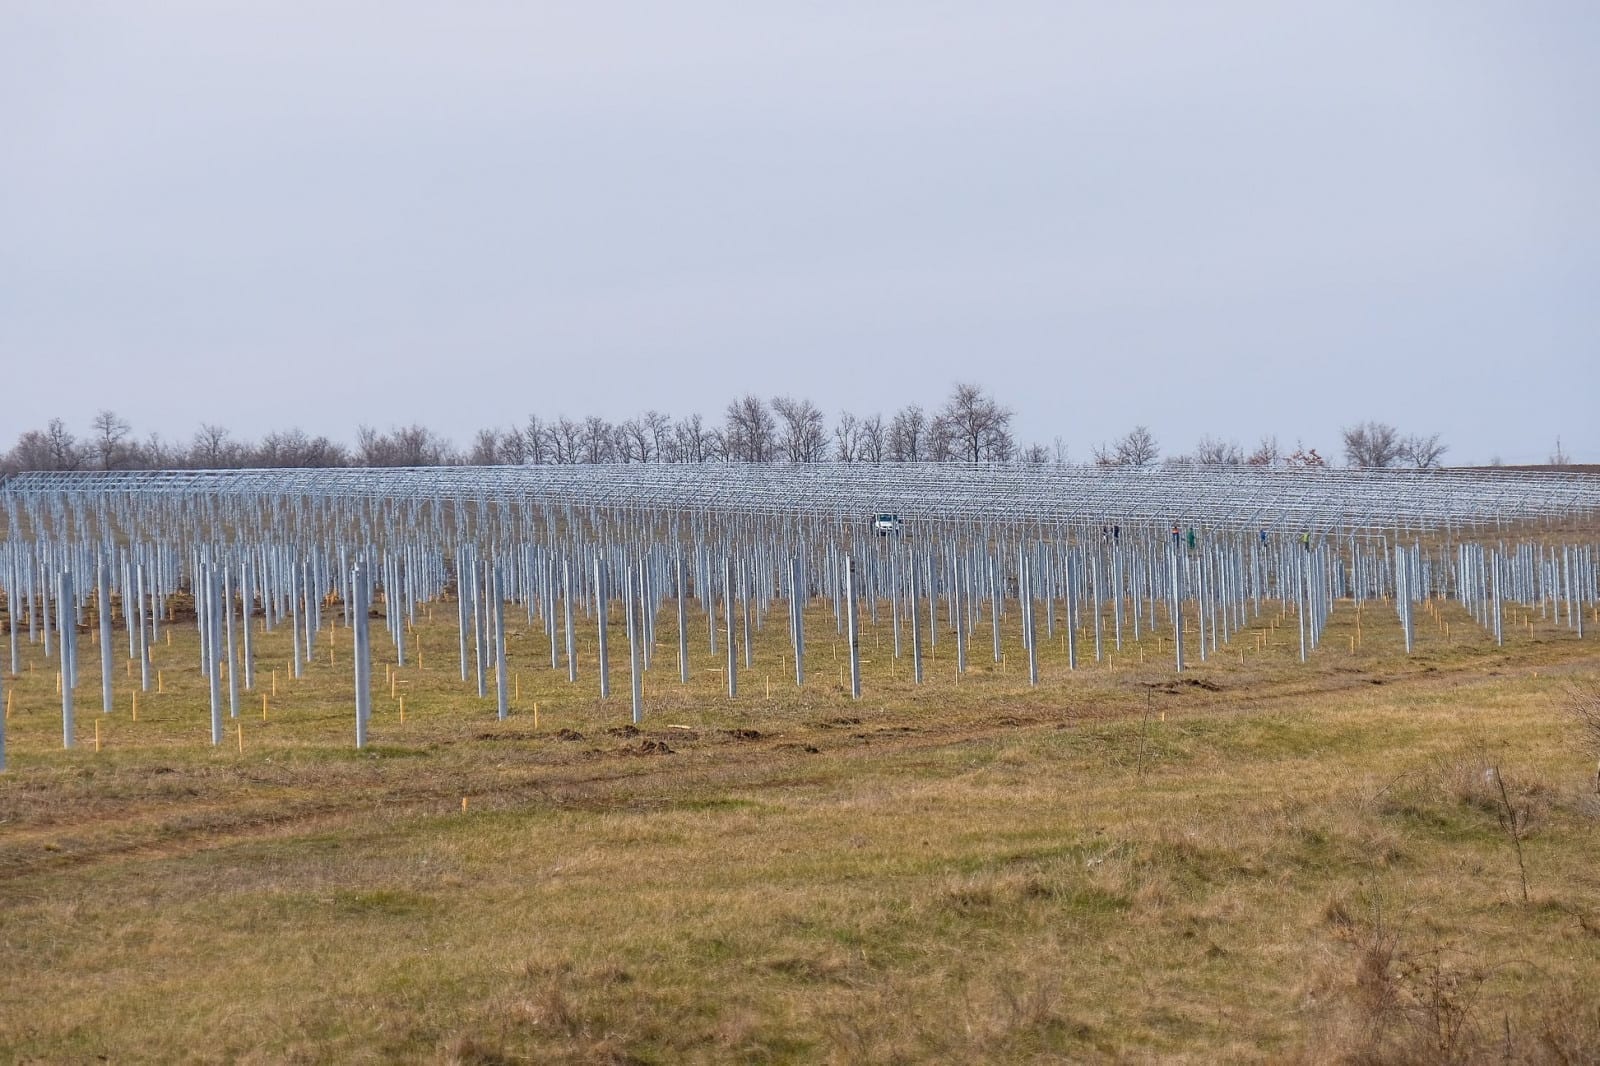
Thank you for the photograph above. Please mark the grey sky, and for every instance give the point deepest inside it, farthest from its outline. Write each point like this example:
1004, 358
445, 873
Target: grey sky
1224, 218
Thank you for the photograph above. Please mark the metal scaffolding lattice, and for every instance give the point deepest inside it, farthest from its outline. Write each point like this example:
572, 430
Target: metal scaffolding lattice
1219, 498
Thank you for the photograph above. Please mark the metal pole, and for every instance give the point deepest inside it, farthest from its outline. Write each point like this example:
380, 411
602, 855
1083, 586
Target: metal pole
727, 615
68, 635
362, 652
634, 604
102, 594
602, 613
213, 643
566, 616
497, 590
852, 635
683, 624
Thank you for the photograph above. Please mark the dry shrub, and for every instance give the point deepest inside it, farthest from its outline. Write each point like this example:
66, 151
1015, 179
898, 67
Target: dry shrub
1398, 1003
1567, 1030
1469, 780
1017, 1013
1583, 705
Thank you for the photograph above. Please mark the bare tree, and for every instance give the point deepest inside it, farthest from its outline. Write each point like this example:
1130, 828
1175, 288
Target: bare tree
979, 428
939, 445
372, 447
511, 448
1559, 457
872, 439
1136, 448
1267, 453
846, 438
749, 432
536, 441
1371, 445
802, 436
153, 453
293, 447
566, 436
211, 449
633, 441
28, 453
1214, 451
110, 433
1422, 452
1036, 454
598, 437
694, 442
659, 427
908, 434
413, 445
671, 449
61, 446
485, 448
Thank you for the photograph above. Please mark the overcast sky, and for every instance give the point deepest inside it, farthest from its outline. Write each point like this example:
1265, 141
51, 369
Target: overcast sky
1217, 218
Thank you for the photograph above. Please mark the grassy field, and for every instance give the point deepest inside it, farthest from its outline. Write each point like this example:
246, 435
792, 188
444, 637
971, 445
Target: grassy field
1256, 861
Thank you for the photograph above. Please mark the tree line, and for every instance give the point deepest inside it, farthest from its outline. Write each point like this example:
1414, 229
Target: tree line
971, 426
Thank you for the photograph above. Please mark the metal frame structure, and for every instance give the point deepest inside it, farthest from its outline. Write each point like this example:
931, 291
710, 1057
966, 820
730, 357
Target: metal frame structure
1319, 501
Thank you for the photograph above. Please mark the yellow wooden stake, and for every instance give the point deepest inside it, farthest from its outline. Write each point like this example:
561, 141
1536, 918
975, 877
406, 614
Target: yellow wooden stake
161, 687
241, 736
58, 679
536, 717
463, 805
274, 682
169, 638
402, 710
135, 706
769, 686
97, 734
517, 686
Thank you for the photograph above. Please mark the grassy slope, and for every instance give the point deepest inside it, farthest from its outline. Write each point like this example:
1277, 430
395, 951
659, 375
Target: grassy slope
1267, 860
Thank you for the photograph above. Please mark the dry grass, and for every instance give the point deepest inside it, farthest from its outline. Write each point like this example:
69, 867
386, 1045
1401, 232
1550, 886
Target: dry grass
1281, 862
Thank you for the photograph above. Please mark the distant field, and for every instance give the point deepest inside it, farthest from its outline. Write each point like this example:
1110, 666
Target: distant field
1253, 861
